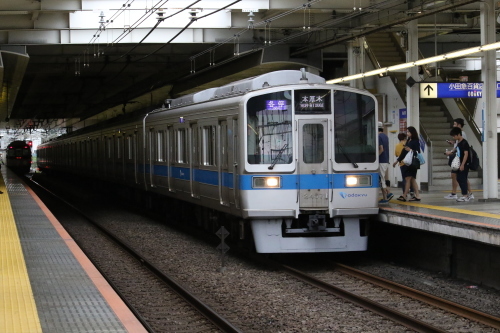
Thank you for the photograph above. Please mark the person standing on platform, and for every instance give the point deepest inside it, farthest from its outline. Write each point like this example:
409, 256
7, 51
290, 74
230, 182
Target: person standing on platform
383, 159
397, 151
409, 173
463, 151
459, 122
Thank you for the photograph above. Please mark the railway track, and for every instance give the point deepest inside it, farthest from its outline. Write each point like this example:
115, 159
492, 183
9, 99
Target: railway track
414, 309
260, 299
146, 289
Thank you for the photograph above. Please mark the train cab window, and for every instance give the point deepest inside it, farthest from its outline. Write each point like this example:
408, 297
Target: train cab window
354, 128
269, 128
208, 152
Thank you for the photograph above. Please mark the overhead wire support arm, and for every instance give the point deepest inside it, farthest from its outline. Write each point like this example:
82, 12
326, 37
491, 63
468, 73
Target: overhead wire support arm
254, 25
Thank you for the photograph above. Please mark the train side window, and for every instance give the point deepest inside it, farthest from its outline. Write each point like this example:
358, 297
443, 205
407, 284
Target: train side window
89, 152
108, 148
160, 137
182, 146
208, 137
129, 147
119, 147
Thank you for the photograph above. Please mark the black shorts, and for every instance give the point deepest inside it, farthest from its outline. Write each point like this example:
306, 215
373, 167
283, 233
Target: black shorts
406, 171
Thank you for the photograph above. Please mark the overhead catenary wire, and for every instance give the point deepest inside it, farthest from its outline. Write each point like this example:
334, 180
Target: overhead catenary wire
156, 25
187, 26
310, 29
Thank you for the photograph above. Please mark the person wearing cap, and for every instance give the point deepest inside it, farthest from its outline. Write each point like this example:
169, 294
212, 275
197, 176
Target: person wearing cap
383, 159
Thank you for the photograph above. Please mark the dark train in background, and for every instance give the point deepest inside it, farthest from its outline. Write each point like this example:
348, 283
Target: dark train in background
282, 159
18, 156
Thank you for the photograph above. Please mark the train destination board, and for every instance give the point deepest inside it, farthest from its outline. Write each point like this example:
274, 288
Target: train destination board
453, 90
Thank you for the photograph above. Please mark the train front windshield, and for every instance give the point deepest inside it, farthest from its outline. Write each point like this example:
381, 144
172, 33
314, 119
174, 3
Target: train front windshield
269, 128
18, 152
270, 120
354, 127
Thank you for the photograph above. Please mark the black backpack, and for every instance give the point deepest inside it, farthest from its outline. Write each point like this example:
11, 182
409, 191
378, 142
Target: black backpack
473, 160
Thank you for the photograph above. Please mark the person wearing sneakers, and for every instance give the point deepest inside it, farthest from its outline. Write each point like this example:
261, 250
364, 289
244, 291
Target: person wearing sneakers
458, 122
383, 159
463, 151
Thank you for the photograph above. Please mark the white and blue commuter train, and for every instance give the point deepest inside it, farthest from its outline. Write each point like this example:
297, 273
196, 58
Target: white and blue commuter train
282, 154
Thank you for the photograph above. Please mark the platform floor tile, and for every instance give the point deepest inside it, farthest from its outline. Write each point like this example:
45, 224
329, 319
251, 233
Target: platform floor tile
18, 312
66, 298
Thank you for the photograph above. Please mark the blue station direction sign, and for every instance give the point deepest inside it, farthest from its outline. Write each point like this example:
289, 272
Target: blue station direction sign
453, 90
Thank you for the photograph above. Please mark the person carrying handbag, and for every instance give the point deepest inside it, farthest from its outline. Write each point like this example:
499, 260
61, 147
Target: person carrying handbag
408, 172
463, 151
458, 122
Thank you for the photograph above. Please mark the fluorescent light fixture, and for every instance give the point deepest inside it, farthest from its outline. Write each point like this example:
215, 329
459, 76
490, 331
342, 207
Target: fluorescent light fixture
376, 71
461, 53
491, 46
439, 58
356, 76
400, 66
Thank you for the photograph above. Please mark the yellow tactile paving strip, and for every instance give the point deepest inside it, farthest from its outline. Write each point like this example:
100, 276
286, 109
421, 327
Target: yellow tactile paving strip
18, 313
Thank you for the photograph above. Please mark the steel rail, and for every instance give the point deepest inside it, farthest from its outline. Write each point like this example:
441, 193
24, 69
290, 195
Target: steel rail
199, 305
446, 305
364, 302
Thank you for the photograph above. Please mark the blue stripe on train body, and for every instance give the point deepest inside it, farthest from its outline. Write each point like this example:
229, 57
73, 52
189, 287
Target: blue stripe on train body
288, 182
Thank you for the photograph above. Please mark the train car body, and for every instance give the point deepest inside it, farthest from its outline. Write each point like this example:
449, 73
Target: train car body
284, 153
18, 156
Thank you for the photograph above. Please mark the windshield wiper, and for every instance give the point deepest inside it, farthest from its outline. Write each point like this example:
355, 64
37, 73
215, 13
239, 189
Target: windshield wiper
278, 157
346, 156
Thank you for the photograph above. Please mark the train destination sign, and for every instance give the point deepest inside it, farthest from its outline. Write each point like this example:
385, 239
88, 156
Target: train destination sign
276, 105
453, 90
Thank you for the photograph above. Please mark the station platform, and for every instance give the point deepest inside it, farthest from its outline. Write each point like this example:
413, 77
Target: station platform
476, 220
47, 284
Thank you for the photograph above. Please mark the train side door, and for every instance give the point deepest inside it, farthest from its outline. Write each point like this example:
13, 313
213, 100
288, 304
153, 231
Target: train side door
235, 160
135, 159
194, 159
313, 164
223, 163
170, 156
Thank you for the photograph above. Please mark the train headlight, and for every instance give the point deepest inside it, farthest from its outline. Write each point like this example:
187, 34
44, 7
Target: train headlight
358, 180
266, 182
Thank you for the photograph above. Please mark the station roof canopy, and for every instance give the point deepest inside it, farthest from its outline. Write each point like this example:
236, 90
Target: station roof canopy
68, 63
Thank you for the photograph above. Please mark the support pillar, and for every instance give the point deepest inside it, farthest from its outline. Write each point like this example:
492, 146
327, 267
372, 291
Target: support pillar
489, 101
413, 93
